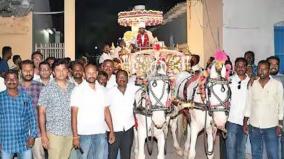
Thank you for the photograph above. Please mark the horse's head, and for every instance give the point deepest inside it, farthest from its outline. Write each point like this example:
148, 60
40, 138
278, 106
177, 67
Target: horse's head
219, 95
159, 95
154, 99
158, 67
218, 70
218, 90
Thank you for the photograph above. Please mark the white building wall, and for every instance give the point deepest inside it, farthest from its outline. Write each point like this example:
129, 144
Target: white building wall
249, 25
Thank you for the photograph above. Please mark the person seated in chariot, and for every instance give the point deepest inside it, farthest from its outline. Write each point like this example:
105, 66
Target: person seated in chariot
194, 62
144, 37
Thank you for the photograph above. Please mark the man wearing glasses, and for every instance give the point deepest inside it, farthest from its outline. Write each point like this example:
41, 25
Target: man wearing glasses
236, 139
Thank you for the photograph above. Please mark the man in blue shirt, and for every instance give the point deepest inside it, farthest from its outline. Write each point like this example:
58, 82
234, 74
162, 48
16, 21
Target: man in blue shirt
6, 56
250, 57
18, 125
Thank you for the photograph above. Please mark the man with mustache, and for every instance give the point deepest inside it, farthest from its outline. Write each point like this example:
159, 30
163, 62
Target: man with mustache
274, 65
122, 99
274, 72
108, 67
77, 70
250, 57
17, 119
90, 115
45, 73
236, 138
32, 88
264, 109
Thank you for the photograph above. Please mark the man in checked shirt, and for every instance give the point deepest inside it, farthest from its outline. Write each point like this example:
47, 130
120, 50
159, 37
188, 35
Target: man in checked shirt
18, 125
32, 88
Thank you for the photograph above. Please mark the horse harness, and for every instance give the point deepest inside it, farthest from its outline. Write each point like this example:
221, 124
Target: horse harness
223, 106
207, 106
147, 90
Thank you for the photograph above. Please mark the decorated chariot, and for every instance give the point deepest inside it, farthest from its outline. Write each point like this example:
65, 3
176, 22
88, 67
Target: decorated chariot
168, 74
148, 50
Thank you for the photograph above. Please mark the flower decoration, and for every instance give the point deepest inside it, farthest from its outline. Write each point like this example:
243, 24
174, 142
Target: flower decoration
156, 47
220, 56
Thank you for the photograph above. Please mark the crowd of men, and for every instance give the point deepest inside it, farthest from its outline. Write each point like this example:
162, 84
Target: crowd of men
50, 106
57, 105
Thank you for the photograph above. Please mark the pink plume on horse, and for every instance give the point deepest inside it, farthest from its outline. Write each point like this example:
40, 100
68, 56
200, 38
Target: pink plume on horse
220, 56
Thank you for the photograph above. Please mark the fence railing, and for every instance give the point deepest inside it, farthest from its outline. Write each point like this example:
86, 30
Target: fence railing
51, 50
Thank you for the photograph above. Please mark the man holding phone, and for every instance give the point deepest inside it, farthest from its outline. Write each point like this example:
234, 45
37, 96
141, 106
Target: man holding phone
90, 115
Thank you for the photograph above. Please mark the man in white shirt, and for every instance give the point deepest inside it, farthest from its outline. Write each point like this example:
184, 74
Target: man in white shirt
121, 108
274, 68
108, 67
90, 114
236, 138
264, 110
102, 78
77, 71
106, 54
37, 58
2, 84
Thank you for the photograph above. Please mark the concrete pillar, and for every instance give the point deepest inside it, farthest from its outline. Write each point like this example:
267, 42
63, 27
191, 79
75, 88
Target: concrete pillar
204, 27
195, 28
69, 28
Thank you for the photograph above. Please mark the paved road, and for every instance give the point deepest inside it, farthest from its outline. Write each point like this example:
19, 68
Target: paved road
171, 154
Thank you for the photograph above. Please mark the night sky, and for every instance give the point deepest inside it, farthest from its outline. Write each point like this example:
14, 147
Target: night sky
96, 20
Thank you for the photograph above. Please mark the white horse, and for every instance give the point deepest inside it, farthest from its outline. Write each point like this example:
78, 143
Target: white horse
206, 112
151, 107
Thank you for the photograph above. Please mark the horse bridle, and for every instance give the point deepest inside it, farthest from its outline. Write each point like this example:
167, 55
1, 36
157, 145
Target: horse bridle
206, 105
147, 90
158, 105
224, 106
